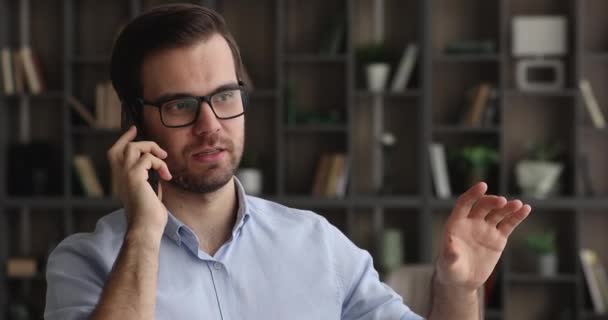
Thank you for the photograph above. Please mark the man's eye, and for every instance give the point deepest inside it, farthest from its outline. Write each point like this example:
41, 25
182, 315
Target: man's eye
224, 96
180, 105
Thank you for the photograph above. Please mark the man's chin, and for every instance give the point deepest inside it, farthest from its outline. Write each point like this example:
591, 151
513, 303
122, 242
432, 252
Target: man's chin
202, 183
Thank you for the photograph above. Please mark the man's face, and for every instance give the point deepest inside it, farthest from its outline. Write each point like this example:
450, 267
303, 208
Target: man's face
202, 157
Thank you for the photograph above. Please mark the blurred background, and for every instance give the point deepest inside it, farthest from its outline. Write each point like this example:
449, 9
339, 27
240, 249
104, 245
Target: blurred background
373, 113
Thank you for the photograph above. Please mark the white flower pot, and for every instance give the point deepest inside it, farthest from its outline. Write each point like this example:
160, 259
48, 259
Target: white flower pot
538, 178
377, 75
547, 265
251, 179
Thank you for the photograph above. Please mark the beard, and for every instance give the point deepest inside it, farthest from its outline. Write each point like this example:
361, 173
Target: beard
215, 176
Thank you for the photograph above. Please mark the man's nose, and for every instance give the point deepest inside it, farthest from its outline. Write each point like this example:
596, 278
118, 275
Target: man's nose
207, 122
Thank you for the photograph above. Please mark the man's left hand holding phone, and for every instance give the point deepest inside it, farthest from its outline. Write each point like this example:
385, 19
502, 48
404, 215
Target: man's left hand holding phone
130, 289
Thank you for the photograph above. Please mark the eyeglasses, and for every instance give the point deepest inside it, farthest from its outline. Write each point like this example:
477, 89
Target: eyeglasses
226, 103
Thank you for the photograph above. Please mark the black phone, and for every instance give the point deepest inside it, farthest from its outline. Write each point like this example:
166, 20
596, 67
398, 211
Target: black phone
126, 121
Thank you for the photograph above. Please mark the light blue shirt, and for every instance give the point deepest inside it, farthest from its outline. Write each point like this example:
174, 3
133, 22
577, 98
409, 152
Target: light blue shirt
280, 263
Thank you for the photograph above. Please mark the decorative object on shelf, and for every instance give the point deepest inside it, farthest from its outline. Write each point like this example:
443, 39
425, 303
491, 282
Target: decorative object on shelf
535, 38
596, 279
439, 169
87, 176
331, 176
107, 106
477, 105
333, 42
539, 174
543, 244
591, 104
377, 68
387, 141
585, 174
392, 249
477, 162
472, 47
405, 69
21, 267
250, 175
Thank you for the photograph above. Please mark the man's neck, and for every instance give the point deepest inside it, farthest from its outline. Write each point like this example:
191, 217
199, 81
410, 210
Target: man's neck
211, 216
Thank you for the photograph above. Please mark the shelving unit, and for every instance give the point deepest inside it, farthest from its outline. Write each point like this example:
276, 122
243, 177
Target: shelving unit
281, 50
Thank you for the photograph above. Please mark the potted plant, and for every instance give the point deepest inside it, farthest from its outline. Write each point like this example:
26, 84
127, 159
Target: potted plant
538, 174
250, 175
478, 160
375, 59
543, 244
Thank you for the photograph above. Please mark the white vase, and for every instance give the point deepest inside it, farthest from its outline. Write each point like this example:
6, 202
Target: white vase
538, 178
547, 265
377, 75
251, 179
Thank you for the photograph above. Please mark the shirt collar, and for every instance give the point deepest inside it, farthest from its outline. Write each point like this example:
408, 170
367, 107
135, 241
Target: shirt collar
174, 225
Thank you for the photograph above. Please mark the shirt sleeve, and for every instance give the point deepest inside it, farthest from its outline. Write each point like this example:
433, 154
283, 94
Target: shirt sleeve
364, 296
74, 280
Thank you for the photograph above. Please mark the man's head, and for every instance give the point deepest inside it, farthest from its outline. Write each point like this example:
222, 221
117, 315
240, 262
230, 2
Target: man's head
175, 51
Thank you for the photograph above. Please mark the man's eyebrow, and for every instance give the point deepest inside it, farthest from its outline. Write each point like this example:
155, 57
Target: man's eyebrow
176, 95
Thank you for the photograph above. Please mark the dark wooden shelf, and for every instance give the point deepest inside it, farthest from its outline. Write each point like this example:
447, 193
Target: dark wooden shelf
57, 202
469, 58
408, 93
360, 201
532, 279
460, 129
565, 93
315, 58
316, 128
591, 315
596, 56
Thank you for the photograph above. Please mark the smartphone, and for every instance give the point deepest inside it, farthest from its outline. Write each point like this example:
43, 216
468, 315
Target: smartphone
126, 122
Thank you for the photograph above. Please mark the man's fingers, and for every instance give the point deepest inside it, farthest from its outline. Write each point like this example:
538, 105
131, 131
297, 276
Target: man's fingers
134, 150
466, 201
486, 204
496, 215
150, 162
509, 223
117, 148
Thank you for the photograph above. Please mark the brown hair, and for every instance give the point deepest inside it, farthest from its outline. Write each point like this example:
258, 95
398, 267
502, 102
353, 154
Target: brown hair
163, 27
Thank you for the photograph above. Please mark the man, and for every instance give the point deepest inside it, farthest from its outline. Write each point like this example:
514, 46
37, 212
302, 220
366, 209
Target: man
198, 247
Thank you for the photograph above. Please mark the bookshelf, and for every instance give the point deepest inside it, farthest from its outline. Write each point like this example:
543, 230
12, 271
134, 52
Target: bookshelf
285, 56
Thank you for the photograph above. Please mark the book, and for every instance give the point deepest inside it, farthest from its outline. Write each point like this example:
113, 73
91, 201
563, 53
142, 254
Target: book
335, 175
479, 102
333, 41
21, 267
8, 81
597, 284
87, 175
18, 75
439, 170
321, 174
82, 111
100, 103
32, 71
113, 108
597, 117
405, 68
343, 177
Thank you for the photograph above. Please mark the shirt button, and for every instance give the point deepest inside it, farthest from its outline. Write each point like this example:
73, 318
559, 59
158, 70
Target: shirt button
217, 266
